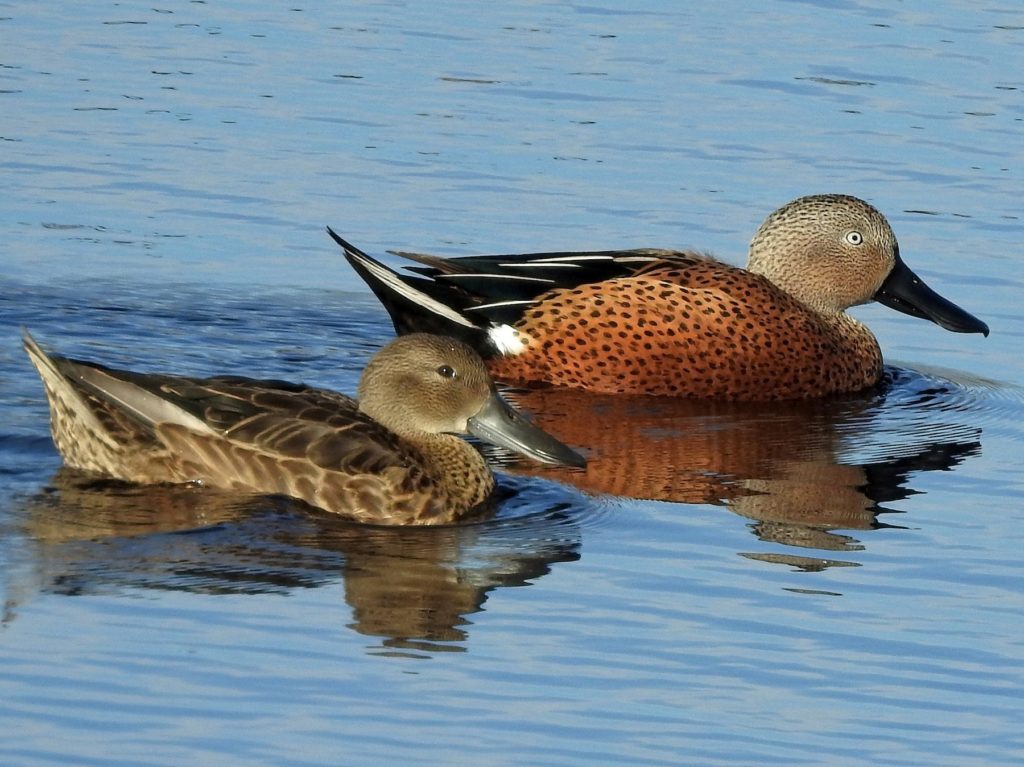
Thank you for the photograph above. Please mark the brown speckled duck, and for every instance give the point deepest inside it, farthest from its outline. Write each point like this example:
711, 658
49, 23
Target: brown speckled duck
390, 458
677, 323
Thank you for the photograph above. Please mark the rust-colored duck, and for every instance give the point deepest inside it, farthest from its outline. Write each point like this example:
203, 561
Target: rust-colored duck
677, 323
389, 458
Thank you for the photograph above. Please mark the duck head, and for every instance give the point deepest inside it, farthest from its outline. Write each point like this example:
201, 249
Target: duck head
422, 383
833, 251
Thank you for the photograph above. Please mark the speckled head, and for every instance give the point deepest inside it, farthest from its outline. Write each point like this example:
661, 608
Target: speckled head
427, 384
829, 251
424, 383
835, 251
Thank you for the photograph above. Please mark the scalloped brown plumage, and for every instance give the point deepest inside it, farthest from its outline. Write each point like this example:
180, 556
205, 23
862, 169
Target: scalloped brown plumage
389, 458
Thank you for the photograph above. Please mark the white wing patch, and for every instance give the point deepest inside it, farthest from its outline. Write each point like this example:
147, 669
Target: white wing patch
507, 339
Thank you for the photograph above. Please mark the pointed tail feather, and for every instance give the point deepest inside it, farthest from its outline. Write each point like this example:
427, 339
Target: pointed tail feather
61, 394
71, 380
417, 304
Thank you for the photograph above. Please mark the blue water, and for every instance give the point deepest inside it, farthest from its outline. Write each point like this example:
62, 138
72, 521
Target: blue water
836, 582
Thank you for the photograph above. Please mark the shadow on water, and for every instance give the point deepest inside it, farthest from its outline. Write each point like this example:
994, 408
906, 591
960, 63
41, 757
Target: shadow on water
800, 470
413, 587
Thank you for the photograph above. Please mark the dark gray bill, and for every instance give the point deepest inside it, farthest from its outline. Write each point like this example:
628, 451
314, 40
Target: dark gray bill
502, 425
905, 292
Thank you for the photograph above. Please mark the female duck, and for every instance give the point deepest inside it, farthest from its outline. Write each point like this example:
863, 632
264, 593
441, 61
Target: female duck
390, 458
677, 323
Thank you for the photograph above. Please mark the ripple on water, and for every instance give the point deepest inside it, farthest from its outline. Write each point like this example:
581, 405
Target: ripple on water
939, 416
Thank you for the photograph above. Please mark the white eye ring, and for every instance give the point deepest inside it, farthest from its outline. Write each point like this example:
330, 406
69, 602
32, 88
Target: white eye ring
853, 237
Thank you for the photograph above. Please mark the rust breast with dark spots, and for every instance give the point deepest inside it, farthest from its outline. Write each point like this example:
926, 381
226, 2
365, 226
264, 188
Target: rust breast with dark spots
696, 328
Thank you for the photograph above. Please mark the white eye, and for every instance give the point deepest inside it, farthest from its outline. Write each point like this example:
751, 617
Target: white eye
854, 237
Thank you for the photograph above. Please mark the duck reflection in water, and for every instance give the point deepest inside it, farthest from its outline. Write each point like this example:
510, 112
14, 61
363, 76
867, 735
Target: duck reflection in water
801, 470
807, 475
412, 587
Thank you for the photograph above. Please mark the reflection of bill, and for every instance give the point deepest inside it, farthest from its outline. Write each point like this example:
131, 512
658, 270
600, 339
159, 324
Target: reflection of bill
413, 587
800, 469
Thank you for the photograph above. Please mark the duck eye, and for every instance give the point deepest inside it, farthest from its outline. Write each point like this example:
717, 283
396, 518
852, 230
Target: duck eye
445, 371
854, 238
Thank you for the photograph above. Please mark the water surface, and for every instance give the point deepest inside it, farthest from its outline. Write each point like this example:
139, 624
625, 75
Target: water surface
834, 582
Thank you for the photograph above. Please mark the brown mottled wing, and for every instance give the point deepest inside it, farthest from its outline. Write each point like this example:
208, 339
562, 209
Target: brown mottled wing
311, 444
291, 421
265, 437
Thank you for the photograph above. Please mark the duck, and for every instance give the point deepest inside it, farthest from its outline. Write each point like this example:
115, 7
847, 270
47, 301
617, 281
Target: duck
677, 323
390, 457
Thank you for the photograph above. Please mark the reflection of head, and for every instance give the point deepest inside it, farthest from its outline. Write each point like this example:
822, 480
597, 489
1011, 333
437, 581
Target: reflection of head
410, 591
416, 587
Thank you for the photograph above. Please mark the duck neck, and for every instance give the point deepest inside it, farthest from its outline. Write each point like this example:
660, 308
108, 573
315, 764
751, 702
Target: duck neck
456, 467
792, 283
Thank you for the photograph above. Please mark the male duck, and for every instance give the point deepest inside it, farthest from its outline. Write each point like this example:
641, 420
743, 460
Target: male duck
678, 323
390, 458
